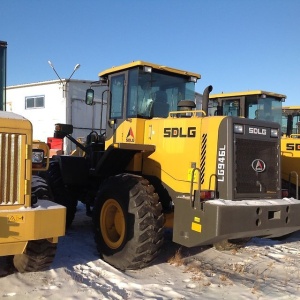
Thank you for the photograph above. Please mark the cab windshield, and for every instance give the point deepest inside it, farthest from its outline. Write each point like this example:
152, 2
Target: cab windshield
290, 122
265, 108
157, 93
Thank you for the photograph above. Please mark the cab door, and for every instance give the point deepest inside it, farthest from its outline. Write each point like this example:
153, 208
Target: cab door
116, 104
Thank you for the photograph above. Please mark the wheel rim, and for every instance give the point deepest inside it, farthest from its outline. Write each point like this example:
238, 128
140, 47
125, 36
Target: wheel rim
112, 224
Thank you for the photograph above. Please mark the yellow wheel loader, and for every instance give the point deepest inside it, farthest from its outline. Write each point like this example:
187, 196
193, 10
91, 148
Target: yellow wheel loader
262, 105
290, 148
162, 163
28, 231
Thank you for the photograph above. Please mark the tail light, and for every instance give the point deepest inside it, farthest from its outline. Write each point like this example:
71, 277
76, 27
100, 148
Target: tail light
207, 195
284, 193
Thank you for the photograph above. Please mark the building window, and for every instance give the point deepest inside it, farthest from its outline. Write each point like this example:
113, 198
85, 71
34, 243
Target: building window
34, 102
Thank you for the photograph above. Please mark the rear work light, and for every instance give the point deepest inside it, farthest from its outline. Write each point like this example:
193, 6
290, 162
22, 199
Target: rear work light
207, 195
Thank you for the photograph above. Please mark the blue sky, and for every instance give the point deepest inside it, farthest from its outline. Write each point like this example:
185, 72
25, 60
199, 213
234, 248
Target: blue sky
235, 45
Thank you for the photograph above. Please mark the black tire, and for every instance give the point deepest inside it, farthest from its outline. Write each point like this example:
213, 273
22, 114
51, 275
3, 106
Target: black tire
38, 256
39, 189
60, 194
128, 222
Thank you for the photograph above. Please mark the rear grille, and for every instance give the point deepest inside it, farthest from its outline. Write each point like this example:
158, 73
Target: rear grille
12, 153
249, 181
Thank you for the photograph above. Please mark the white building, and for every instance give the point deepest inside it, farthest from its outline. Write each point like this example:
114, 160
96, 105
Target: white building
50, 102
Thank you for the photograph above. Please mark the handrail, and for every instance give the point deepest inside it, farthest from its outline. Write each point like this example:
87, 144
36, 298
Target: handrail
192, 112
192, 199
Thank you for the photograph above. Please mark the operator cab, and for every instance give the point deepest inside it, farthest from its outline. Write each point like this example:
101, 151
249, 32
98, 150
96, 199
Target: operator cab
145, 90
291, 120
259, 105
139, 91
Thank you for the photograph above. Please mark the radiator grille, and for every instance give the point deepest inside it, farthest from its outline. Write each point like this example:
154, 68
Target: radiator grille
12, 149
249, 181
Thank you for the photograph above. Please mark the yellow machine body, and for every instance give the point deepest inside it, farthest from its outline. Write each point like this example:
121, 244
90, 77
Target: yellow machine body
29, 226
218, 176
290, 144
171, 146
193, 152
20, 221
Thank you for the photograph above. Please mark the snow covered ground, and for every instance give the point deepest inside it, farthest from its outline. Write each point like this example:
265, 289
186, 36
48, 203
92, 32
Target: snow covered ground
264, 269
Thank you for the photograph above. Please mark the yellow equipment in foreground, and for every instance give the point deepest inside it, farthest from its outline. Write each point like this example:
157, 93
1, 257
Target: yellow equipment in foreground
213, 178
30, 224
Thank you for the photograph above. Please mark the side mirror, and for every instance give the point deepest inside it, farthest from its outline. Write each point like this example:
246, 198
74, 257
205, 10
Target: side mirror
103, 81
89, 97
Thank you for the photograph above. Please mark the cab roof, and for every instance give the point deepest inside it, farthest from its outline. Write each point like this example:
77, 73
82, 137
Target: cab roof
247, 93
143, 63
291, 108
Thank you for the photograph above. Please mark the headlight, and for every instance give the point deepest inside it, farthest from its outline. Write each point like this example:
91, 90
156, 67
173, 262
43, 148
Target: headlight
238, 128
37, 156
274, 133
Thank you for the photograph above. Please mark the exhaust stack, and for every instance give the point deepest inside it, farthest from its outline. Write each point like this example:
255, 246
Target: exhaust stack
205, 98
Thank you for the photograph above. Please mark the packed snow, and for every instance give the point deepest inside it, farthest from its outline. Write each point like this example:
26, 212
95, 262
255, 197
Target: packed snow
263, 269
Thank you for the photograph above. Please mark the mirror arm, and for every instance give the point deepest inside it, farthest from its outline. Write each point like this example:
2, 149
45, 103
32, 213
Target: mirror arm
76, 143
